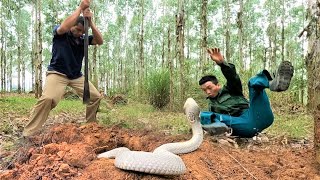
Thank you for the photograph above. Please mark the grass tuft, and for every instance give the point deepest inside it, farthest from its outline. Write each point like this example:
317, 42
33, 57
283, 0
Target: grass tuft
293, 126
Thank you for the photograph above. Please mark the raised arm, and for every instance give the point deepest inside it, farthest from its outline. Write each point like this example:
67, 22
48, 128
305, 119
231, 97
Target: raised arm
234, 84
72, 19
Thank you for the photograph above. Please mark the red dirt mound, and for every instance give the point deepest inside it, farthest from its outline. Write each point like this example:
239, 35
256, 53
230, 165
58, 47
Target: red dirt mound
69, 151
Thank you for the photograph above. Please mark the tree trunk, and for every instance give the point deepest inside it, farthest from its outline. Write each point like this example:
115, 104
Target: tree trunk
240, 36
141, 51
4, 71
33, 49
38, 49
36, 52
23, 76
204, 36
282, 31
163, 49
10, 72
312, 63
94, 68
180, 25
2, 58
19, 64
170, 66
227, 30
312, 49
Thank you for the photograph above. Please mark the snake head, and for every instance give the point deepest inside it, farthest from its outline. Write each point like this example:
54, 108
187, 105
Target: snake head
191, 110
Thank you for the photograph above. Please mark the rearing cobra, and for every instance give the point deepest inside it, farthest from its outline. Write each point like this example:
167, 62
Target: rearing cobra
164, 159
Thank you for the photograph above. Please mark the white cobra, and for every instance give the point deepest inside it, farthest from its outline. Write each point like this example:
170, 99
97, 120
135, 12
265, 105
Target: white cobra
163, 160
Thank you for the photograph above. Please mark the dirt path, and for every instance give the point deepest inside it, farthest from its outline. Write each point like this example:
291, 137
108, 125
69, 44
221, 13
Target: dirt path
69, 152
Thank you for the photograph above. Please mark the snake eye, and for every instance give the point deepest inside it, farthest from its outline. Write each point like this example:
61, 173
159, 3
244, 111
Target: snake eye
191, 117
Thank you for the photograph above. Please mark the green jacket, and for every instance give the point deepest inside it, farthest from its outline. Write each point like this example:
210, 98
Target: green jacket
230, 99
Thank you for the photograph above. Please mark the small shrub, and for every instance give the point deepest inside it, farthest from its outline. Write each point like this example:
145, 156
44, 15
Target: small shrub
158, 88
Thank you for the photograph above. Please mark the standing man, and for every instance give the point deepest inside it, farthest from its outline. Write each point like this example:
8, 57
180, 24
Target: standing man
230, 109
65, 68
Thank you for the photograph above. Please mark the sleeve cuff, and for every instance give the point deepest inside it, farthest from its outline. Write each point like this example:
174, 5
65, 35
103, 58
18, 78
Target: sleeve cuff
224, 64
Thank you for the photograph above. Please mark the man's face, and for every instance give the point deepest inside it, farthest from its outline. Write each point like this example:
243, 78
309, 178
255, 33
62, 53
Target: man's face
77, 30
211, 89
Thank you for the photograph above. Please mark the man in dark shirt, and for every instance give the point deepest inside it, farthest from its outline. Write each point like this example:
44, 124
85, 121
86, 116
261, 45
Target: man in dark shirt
65, 68
228, 108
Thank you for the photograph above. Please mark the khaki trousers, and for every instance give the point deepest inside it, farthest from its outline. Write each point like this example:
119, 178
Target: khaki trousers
53, 92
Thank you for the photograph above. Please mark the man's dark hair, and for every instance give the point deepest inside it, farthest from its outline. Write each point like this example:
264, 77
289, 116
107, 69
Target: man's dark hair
80, 20
207, 78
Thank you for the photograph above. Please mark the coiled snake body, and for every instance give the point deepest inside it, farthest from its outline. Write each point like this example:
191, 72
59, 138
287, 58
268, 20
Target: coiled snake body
163, 160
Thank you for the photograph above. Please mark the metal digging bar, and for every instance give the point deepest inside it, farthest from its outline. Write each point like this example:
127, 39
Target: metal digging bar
86, 90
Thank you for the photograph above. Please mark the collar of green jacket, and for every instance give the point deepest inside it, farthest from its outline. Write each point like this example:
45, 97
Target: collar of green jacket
226, 103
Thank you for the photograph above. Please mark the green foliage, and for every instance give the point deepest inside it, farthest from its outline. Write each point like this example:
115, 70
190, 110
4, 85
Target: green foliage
143, 116
16, 104
296, 126
71, 106
6, 127
23, 104
132, 116
158, 88
9, 145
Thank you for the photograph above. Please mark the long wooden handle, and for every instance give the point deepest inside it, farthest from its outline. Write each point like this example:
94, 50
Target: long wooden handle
86, 90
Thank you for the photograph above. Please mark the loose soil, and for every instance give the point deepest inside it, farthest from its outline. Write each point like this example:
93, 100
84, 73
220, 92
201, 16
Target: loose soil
69, 151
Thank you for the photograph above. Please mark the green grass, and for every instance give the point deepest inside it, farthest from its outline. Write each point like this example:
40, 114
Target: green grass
295, 126
22, 105
143, 116
16, 104
74, 106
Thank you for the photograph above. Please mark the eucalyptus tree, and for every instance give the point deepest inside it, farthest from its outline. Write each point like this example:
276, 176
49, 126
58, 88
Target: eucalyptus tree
240, 34
295, 50
11, 25
168, 59
141, 63
51, 11
96, 8
253, 36
3, 46
312, 62
294, 47
227, 27
274, 16
5, 23
38, 49
22, 18
180, 27
204, 35
10, 54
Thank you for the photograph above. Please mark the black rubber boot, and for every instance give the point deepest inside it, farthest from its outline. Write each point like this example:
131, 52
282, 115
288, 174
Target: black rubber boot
281, 81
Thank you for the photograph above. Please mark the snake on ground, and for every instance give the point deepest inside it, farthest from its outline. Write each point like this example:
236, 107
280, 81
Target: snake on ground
164, 159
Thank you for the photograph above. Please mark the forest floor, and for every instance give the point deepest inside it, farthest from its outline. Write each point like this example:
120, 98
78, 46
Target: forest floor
68, 150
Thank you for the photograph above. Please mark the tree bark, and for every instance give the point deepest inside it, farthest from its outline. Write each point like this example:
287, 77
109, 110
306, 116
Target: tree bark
180, 25
19, 64
2, 58
240, 36
282, 31
227, 30
141, 50
204, 36
313, 68
38, 73
94, 68
170, 66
